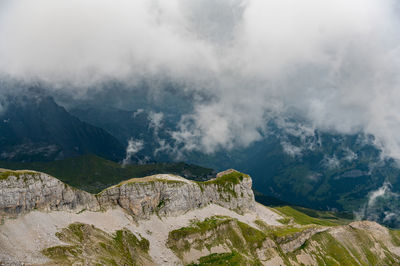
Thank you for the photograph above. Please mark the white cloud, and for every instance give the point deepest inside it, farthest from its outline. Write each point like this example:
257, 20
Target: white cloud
134, 146
137, 112
350, 155
333, 64
385, 189
314, 176
291, 150
330, 162
382, 206
155, 121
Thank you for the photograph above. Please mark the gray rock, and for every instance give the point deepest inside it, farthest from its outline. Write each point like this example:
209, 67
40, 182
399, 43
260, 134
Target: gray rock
176, 197
24, 191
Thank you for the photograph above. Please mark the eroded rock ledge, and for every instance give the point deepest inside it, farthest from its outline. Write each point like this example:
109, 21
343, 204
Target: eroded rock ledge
24, 191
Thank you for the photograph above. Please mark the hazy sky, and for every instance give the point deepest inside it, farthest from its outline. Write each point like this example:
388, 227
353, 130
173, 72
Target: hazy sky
334, 63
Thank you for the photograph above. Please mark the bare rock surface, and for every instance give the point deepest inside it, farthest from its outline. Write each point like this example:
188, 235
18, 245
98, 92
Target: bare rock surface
171, 195
24, 191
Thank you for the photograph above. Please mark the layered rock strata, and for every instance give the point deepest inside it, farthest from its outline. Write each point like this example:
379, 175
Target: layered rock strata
24, 191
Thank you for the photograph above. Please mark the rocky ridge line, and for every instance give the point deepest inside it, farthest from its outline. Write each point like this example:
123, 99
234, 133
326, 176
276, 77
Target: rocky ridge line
25, 191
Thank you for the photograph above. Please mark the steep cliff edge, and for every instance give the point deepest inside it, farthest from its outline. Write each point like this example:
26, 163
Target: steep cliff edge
172, 195
24, 191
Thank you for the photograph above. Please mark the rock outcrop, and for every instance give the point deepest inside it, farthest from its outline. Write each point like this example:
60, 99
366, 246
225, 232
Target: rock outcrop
169, 195
297, 240
24, 191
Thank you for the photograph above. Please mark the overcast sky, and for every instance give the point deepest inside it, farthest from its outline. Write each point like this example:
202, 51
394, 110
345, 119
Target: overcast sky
334, 63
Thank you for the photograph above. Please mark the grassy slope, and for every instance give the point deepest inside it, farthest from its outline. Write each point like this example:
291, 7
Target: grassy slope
303, 215
93, 173
328, 250
88, 245
221, 259
245, 242
300, 216
242, 239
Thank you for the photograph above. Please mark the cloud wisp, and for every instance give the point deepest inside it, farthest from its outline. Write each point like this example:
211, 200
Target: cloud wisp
333, 64
134, 146
382, 206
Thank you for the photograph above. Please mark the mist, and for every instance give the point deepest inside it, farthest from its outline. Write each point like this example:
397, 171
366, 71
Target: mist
332, 64
382, 206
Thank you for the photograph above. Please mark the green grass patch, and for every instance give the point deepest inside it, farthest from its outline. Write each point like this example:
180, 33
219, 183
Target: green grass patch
360, 251
395, 235
226, 183
234, 177
125, 238
254, 238
280, 231
302, 218
337, 217
221, 259
198, 227
285, 220
286, 231
6, 174
92, 246
239, 237
332, 252
62, 252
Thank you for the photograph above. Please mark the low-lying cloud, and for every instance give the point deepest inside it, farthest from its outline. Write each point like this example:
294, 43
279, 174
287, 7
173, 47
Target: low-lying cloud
333, 64
382, 206
134, 146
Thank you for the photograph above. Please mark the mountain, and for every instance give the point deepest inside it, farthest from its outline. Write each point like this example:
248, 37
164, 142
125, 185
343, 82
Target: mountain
148, 127
319, 170
310, 168
169, 220
34, 127
338, 173
327, 170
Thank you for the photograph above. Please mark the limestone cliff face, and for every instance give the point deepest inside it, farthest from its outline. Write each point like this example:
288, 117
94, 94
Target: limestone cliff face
168, 195
24, 191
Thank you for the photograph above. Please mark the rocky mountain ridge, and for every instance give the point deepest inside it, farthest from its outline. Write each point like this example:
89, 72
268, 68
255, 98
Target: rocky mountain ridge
24, 191
168, 220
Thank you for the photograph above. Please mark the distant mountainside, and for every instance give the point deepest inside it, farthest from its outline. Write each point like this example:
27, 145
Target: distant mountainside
34, 128
139, 125
93, 174
319, 170
169, 220
339, 173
